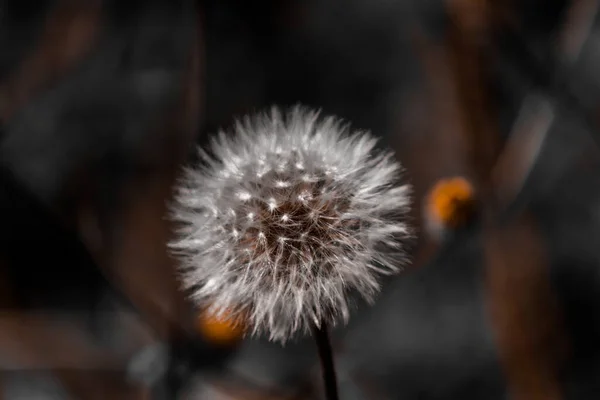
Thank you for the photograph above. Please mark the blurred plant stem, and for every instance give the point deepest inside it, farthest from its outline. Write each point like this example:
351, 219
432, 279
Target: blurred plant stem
523, 310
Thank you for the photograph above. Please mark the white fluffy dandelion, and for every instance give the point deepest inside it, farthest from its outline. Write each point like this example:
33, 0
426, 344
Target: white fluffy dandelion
286, 217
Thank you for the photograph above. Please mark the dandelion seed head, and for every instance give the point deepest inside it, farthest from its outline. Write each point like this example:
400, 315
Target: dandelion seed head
315, 210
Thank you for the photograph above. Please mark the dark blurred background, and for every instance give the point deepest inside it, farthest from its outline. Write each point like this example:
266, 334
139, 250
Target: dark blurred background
103, 101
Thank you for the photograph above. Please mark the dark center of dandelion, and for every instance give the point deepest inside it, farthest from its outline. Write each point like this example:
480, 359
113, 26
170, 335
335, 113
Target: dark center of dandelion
294, 222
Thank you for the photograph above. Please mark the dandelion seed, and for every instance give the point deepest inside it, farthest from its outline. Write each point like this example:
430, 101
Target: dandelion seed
244, 196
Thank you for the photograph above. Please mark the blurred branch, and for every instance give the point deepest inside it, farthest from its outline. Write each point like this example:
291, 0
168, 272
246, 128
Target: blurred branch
440, 137
538, 113
70, 29
469, 58
41, 341
523, 310
132, 240
100, 385
525, 319
577, 27
556, 78
137, 258
30, 240
521, 150
523, 306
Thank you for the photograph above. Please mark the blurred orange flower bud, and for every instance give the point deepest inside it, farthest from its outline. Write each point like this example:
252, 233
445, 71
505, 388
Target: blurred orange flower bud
451, 202
220, 329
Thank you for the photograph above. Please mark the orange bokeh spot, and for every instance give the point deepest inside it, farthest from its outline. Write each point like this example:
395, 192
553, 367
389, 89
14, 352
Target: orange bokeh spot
451, 201
220, 330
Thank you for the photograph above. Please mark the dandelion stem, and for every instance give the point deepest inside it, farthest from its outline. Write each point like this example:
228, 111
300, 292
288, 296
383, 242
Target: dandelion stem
321, 336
